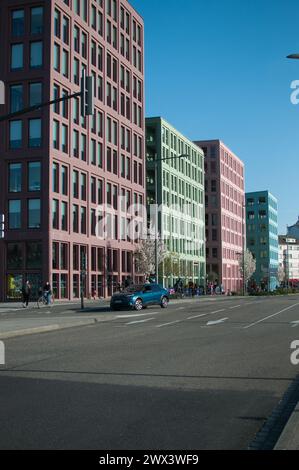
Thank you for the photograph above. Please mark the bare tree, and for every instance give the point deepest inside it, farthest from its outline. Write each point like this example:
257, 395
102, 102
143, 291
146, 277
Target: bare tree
249, 264
281, 273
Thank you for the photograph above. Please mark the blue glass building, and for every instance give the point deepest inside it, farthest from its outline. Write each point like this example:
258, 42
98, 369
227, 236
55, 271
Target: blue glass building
262, 237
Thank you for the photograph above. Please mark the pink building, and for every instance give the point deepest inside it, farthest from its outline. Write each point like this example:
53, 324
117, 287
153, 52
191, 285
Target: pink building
57, 167
225, 215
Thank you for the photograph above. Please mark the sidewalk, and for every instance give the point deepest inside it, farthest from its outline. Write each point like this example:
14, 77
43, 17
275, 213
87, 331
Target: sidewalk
289, 439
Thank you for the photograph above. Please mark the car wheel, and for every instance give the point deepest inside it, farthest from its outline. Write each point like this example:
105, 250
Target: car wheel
138, 305
164, 302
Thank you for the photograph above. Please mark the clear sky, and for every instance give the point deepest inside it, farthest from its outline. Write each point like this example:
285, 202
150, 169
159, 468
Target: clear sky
217, 69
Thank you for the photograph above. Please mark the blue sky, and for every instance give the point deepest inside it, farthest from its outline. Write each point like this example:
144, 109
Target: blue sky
217, 69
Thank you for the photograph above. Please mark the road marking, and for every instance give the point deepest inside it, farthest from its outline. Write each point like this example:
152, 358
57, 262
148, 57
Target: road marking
139, 321
295, 323
197, 316
170, 323
136, 315
216, 322
181, 308
271, 316
236, 306
218, 311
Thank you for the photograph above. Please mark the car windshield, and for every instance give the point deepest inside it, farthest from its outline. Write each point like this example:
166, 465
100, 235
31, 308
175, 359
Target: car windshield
132, 289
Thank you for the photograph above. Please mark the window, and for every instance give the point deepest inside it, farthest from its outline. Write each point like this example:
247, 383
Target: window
14, 214
56, 58
55, 220
65, 63
33, 255
17, 23
55, 178
15, 134
75, 184
14, 256
37, 20
16, 98
64, 180
35, 133
16, 59
64, 221
36, 54
15, 177
57, 23
65, 30
34, 176
35, 94
64, 138
56, 134
34, 213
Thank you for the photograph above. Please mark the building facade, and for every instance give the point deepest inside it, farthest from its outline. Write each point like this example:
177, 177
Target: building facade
224, 214
57, 167
288, 261
262, 237
180, 187
293, 230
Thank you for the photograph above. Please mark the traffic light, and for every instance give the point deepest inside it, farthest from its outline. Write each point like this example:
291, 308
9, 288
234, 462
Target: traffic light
87, 96
2, 225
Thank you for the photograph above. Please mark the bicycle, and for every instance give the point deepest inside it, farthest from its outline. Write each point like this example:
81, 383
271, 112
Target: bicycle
43, 301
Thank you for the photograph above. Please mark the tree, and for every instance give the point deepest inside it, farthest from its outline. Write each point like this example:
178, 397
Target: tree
249, 265
171, 264
281, 273
145, 255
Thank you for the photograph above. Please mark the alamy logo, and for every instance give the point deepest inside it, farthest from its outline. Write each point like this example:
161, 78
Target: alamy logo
2, 92
295, 353
295, 93
2, 354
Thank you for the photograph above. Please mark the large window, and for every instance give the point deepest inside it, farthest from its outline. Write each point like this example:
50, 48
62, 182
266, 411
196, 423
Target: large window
15, 177
35, 94
15, 134
36, 54
34, 218
35, 133
14, 256
17, 23
34, 176
16, 98
14, 214
55, 219
64, 217
37, 20
16, 59
34, 255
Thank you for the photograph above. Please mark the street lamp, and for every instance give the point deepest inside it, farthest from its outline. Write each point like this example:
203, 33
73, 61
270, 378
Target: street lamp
156, 161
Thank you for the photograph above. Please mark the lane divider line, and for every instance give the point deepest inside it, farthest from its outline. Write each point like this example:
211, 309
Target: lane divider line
139, 321
170, 323
270, 316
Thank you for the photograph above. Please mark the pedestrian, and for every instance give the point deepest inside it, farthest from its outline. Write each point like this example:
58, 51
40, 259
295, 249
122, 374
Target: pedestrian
26, 291
47, 292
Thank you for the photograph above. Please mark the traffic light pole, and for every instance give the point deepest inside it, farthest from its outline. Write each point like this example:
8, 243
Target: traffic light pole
86, 95
38, 106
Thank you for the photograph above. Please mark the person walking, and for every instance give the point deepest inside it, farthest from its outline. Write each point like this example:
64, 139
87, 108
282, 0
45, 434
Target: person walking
26, 291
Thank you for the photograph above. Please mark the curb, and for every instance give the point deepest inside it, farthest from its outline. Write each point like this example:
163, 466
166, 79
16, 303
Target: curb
289, 439
48, 328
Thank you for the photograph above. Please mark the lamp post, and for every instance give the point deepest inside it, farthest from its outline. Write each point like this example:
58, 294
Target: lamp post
156, 161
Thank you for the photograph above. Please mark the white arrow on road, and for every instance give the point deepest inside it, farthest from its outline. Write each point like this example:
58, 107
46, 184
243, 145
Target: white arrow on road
295, 323
210, 323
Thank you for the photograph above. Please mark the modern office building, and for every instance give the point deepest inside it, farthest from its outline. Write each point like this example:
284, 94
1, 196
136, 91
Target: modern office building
262, 237
293, 230
180, 196
57, 167
289, 260
224, 214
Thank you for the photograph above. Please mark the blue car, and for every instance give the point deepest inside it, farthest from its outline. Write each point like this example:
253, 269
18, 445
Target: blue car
139, 297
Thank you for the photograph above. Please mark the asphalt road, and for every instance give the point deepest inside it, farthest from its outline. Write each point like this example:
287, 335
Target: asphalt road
200, 375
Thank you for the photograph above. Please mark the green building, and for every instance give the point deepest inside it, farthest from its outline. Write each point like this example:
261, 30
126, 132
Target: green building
262, 237
180, 195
